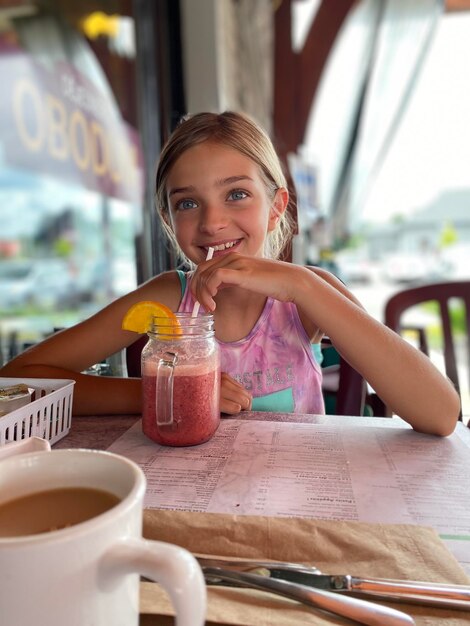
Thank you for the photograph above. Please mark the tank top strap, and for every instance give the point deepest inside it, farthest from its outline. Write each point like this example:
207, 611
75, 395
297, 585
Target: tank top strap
183, 280
187, 300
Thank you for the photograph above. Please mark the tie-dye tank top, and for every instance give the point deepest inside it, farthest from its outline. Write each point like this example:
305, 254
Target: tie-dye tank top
274, 361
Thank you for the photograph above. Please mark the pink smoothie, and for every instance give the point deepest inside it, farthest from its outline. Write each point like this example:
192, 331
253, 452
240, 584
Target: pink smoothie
196, 413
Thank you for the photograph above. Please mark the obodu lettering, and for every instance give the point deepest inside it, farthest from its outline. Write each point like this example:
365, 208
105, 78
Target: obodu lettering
59, 128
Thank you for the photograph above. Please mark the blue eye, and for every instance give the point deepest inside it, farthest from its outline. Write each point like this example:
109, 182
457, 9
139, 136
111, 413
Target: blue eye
238, 194
185, 204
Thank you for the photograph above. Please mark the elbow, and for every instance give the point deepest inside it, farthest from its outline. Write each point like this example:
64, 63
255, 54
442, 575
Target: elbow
440, 430
449, 427
442, 420
9, 370
17, 368
454, 412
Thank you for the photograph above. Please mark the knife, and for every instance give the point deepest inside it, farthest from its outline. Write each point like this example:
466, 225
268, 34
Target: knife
414, 592
362, 611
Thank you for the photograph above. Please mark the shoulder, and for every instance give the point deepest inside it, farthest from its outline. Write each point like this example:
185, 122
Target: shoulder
324, 274
332, 280
165, 278
310, 328
164, 288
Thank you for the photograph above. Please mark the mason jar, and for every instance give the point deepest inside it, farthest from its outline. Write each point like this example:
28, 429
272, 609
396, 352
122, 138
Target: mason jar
180, 367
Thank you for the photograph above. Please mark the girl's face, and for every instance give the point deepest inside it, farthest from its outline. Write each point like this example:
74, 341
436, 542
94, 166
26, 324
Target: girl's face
217, 197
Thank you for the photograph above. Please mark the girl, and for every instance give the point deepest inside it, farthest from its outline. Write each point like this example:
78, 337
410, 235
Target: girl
220, 184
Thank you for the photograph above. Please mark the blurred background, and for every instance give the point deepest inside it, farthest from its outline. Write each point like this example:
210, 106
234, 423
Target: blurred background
367, 102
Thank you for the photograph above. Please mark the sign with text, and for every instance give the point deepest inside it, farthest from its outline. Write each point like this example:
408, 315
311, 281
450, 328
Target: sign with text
55, 121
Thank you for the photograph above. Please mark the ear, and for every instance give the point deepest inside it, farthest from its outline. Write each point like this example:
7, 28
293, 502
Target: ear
278, 206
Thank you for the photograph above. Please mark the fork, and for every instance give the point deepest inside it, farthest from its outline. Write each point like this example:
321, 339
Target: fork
240, 565
439, 595
361, 611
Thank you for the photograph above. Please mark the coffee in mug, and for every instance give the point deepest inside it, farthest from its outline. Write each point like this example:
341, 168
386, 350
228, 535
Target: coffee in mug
86, 572
53, 509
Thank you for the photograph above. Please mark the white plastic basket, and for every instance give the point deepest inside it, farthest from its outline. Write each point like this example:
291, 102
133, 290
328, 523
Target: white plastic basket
48, 415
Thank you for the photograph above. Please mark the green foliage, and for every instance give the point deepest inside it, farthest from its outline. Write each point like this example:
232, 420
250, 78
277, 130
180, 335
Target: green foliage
448, 235
457, 318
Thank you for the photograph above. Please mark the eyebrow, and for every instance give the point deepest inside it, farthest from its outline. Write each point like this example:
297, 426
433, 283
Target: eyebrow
188, 189
232, 179
218, 183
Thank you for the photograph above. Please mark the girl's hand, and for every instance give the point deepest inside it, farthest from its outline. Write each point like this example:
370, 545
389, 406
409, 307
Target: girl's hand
264, 276
233, 396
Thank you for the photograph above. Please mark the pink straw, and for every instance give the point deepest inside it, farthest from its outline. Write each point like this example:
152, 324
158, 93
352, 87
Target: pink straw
210, 254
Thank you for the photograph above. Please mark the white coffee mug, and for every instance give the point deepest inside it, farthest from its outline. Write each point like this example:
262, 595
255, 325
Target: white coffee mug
88, 574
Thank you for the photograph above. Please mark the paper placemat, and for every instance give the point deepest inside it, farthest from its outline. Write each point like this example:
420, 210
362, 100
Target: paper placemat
335, 547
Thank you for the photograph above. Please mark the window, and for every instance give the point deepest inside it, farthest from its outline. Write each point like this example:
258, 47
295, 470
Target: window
70, 172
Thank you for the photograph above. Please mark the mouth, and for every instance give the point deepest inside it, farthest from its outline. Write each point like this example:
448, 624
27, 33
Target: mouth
222, 247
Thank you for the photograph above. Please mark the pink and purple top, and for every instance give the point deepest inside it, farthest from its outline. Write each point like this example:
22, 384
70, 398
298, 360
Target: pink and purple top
274, 361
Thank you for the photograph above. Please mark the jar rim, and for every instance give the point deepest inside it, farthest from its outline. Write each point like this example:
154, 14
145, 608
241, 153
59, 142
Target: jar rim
185, 325
187, 315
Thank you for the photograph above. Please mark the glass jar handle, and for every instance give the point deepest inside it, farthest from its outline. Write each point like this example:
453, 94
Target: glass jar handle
164, 389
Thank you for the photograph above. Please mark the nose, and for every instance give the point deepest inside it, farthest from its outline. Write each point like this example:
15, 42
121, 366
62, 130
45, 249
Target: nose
212, 219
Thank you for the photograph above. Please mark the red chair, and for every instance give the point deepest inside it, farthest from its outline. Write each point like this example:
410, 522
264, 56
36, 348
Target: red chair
443, 294
133, 353
344, 389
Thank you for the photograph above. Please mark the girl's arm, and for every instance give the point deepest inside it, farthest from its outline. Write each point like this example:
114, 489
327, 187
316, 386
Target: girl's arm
67, 353
401, 375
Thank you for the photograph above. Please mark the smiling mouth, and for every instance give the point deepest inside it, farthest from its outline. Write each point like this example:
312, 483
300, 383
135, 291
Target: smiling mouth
223, 246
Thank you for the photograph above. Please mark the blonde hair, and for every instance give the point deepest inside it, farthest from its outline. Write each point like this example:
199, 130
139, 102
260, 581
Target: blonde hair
237, 131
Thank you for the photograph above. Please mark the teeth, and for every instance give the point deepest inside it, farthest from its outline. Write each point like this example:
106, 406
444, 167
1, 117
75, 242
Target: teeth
224, 246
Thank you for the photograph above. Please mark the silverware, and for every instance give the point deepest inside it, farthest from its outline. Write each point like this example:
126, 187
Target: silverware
250, 565
361, 611
413, 592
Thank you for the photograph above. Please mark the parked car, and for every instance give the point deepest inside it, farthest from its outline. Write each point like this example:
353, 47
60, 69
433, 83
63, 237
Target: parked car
42, 282
409, 267
355, 268
457, 257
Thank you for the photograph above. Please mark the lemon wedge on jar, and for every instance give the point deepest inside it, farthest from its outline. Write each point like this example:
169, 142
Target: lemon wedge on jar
140, 316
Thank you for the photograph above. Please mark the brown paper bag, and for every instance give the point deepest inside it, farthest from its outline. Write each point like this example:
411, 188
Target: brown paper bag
335, 547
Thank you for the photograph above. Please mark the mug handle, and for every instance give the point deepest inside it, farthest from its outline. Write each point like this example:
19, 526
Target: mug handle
31, 444
173, 567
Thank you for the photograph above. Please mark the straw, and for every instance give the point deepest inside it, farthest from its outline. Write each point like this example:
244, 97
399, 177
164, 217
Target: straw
210, 254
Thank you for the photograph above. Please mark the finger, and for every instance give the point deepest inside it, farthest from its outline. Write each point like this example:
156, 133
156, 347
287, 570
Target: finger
229, 407
234, 393
229, 383
201, 292
226, 379
208, 279
232, 406
208, 284
242, 400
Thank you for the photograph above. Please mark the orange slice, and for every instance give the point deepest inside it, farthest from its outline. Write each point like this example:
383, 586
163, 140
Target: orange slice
139, 317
